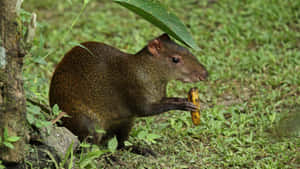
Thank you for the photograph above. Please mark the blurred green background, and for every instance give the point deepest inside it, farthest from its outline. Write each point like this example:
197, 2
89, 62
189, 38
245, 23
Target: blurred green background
251, 103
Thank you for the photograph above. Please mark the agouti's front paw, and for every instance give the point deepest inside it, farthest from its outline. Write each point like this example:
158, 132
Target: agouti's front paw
188, 106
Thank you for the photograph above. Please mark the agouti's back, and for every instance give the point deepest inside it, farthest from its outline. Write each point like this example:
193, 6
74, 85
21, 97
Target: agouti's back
101, 87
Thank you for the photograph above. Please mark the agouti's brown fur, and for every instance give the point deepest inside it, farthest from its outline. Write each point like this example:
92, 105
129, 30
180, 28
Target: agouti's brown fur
101, 87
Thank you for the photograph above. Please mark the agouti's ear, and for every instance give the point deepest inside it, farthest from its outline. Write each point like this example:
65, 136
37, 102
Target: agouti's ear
154, 47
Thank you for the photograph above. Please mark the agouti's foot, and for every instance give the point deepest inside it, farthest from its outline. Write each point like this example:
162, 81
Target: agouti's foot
141, 151
111, 160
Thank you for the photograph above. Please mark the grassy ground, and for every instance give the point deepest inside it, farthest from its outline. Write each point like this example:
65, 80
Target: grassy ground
250, 103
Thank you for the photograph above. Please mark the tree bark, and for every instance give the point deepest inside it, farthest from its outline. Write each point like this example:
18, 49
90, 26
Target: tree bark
12, 98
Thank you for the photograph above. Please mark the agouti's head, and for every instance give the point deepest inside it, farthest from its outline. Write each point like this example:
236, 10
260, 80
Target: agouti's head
179, 62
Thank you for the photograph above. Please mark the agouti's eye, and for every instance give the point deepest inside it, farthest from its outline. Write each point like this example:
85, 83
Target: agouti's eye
175, 59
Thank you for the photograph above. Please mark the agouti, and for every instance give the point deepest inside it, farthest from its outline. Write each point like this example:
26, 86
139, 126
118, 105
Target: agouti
101, 87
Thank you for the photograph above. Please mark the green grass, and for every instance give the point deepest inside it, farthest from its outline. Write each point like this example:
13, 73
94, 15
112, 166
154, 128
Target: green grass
252, 51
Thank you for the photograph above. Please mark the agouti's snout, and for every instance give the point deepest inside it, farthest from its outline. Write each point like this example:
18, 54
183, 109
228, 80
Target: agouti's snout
203, 74
195, 76
192, 71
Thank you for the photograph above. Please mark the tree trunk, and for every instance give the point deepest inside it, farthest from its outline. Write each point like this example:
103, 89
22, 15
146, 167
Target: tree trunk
12, 98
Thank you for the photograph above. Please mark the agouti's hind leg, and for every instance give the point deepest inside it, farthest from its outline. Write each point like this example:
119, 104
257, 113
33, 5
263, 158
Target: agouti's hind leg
123, 132
122, 135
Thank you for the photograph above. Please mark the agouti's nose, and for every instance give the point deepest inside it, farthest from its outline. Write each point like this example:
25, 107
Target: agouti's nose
204, 75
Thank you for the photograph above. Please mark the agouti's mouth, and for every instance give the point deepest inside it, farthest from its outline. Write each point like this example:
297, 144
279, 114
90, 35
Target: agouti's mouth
202, 78
192, 80
185, 80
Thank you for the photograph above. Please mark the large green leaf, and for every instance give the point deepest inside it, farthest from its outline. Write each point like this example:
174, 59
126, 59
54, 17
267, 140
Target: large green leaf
155, 13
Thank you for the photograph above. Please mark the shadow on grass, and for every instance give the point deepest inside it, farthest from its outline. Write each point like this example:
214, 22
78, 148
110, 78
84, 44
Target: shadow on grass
289, 124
